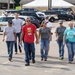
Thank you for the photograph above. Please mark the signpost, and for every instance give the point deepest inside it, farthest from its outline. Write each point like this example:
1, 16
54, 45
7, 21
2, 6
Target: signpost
49, 4
8, 4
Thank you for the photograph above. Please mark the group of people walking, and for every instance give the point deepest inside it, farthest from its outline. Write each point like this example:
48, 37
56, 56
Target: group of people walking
12, 32
66, 36
28, 33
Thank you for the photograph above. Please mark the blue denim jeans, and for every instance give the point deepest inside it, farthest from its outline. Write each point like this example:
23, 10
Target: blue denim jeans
71, 50
10, 47
29, 47
44, 48
18, 35
61, 48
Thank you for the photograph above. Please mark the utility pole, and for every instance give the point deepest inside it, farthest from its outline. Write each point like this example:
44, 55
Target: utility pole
8, 4
13, 3
49, 4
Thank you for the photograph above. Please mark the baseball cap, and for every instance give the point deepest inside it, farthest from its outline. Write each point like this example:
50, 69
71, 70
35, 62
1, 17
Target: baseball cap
10, 21
60, 21
44, 21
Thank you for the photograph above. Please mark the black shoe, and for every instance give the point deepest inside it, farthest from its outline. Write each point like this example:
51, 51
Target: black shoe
27, 64
10, 59
16, 53
72, 59
33, 61
61, 58
41, 59
45, 60
20, 50
70, 62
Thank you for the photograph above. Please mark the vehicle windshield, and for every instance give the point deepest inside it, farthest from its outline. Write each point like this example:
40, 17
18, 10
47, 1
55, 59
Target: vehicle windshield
41, 15
1, 20
63, 12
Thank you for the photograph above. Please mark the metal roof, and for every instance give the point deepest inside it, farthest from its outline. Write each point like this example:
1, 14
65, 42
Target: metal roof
25, 1
11, 1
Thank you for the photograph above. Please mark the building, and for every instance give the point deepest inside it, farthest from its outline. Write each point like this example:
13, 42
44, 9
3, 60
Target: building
4, 3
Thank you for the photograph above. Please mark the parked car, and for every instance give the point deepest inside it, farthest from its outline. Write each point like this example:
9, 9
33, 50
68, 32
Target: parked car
64, 15
64, 9
11, 11
4, 21
52, 15
26, 13
33, 20
61, 14
30, 9
33, 10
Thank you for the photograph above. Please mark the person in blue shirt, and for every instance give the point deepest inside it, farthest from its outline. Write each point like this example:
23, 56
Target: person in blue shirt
69, 39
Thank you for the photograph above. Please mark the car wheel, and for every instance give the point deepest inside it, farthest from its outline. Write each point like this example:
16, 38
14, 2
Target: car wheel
52, 19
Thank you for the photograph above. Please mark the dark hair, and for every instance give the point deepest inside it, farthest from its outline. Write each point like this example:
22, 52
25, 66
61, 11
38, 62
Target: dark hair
43, 23
10, 21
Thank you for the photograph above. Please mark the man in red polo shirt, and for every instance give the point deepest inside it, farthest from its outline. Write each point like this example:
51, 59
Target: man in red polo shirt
28, 32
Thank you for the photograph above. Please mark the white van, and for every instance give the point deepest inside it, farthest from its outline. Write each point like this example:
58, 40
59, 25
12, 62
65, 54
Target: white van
4, 21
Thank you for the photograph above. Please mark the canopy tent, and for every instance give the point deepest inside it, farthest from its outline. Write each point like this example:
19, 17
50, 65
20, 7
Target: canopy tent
44, 3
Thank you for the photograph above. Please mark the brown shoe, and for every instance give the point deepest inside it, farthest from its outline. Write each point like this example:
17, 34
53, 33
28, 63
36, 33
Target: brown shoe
10, 59
20, 50
33, 61
41, 59
27, 64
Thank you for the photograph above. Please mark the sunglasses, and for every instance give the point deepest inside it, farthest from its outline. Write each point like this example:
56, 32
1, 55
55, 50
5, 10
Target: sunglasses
44, 23
28, 20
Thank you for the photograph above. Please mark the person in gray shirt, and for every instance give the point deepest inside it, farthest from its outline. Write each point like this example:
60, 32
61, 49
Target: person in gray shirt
17, 23
10, 38
59, 35
44, 33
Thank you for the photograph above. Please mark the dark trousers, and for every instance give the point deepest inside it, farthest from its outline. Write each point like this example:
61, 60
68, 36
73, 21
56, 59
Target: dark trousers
18, 36
29, 47
29, 51
10, 47
61, 48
